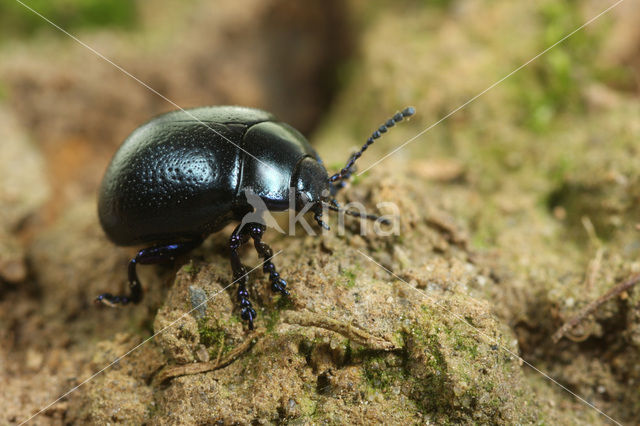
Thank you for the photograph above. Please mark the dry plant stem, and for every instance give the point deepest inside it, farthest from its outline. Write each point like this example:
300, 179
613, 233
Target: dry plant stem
290, 317
312, 319
594, 268
593, 306
202, 367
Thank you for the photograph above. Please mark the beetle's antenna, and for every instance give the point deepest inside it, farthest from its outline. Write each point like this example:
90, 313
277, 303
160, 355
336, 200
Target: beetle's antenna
336, 208
346, 170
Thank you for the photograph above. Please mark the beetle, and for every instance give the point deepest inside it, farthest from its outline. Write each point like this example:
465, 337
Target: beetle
185, 174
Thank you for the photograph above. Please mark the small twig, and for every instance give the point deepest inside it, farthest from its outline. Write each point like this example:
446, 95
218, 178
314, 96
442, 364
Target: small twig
593, 306
171, 372
312, 319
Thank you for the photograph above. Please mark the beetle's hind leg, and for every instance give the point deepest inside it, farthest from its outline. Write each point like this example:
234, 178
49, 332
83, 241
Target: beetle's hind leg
148, 256
256, 230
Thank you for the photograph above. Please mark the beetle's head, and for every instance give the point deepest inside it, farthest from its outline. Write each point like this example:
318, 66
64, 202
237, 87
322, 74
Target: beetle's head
311, 183
314, 189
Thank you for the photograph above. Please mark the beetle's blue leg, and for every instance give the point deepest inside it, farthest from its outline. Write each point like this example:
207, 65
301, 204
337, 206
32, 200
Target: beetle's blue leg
239, 236
256, 230
318, 218
147, 256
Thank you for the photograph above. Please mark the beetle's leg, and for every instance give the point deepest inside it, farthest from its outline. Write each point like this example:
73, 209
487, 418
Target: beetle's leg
317, 215
239, 236
256, 230
147, 256
318, 218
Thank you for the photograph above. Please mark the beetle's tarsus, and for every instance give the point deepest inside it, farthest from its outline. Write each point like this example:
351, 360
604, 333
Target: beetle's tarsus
318, 218
111, 301
248, 314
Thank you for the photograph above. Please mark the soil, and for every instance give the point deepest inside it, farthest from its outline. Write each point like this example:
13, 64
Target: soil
514, 214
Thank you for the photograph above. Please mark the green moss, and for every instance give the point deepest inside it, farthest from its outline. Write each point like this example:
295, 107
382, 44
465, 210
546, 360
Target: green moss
398, 339
348, 350
234, 319
272, 316
553, 83
381, 372
349, 278
213, 338
209, 335
307, 405
429, 344
272, 319
436, 360
465, 345
429, 377
190, 268
283, 303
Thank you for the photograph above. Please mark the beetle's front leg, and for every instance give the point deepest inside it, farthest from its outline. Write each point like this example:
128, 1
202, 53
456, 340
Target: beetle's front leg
256, 230
148, 256
238, 237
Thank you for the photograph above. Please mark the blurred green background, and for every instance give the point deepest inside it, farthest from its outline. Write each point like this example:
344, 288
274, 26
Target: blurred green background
541, 171
71, 15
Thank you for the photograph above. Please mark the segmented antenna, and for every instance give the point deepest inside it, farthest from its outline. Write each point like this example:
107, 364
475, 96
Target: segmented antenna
346, 171
336, 208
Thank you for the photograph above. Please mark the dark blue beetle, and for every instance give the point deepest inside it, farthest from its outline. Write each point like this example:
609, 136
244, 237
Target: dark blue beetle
184, 175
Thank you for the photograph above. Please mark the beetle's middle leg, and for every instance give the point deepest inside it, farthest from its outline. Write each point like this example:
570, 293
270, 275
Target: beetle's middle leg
239, 236
148, 256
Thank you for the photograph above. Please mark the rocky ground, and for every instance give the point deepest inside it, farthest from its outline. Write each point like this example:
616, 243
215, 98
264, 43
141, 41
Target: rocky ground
516, 213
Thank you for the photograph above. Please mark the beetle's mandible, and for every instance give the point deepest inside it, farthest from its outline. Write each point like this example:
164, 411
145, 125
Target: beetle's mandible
184, 175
